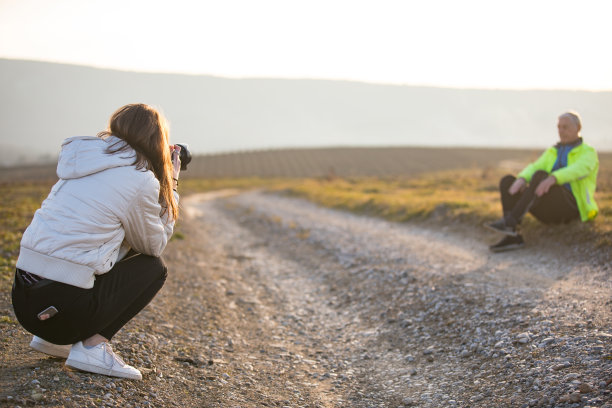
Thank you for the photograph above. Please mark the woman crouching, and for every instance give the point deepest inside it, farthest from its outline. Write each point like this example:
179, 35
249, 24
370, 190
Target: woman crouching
74, 287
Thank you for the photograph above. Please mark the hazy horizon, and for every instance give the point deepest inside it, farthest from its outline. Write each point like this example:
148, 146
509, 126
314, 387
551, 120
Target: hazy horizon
44, 103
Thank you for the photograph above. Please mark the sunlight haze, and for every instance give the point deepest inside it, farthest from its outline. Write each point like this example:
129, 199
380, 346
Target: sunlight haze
470, 44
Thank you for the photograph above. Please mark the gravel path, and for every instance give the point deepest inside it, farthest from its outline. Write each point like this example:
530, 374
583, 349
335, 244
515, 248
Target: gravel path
274, 301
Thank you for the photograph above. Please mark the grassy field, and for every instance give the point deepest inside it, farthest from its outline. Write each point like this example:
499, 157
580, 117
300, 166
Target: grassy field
460, 187
462, 194
467, 197
18, 201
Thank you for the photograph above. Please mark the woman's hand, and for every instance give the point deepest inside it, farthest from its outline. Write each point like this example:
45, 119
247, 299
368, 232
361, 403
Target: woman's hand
176, 163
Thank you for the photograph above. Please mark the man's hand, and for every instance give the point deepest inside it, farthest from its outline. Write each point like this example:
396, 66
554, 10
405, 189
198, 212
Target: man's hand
545, 185
518, 185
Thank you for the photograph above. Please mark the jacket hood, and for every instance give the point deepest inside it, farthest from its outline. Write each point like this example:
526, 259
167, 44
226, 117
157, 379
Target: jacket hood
84, 155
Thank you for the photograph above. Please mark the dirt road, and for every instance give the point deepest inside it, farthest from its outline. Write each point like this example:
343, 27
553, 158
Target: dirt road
273, 301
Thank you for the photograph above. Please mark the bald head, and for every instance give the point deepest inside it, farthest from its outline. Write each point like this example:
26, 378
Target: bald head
569, 127
574, 117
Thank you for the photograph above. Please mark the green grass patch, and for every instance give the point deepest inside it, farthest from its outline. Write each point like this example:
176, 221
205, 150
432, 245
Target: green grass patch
18, 202
178, 235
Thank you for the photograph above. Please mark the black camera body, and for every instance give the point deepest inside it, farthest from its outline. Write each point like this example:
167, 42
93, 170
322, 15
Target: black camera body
184, 155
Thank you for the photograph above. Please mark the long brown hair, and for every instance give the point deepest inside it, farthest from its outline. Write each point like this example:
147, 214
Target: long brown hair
146, 131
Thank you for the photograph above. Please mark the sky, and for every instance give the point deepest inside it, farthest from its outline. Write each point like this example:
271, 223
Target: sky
490, 44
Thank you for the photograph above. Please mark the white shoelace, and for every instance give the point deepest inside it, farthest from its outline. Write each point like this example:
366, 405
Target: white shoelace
108, 351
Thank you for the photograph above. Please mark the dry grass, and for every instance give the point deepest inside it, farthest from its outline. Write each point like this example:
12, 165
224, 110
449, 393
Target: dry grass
199, 185
460, 196
467, 196
18, 202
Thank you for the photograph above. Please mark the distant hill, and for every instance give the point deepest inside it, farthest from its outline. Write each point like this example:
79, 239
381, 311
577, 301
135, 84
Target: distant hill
43, 103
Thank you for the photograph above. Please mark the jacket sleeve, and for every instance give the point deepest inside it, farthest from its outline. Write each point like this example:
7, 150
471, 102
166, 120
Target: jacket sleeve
147, 230
585, 163
542, 163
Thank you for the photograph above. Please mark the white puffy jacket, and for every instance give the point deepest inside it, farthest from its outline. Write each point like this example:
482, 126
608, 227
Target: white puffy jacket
101, 206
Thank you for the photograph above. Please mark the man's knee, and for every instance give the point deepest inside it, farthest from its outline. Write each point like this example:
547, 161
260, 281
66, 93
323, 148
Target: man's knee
506, 182
538, 176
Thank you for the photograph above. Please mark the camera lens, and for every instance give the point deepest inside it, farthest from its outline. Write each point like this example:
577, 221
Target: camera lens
184, 155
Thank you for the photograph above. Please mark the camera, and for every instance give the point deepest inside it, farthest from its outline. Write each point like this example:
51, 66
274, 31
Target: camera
184, 155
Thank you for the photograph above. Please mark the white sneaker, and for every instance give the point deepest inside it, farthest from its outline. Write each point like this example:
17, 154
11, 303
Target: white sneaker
51, 349
100, 359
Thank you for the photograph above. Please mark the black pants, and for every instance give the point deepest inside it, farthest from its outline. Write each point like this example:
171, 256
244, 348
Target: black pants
556, 206
117, 296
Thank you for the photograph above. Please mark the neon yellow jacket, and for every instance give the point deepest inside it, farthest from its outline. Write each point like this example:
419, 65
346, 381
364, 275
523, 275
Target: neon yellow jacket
580, 173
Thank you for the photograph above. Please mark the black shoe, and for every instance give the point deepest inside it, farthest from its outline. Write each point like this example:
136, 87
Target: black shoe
500, 226
508, 243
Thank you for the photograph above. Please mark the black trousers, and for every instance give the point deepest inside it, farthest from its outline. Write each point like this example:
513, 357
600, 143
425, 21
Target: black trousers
117, 296
556, 206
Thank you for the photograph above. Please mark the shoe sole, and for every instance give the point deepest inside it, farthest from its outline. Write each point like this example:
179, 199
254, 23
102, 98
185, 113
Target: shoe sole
99, 370
507, 248
53, 351
509, 233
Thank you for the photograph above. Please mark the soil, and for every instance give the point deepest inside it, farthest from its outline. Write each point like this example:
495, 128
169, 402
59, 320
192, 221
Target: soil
276, 302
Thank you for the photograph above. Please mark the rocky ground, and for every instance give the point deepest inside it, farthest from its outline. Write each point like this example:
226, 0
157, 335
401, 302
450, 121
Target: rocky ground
276, 302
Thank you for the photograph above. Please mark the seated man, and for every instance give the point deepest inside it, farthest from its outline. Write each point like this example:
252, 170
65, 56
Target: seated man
557, 187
